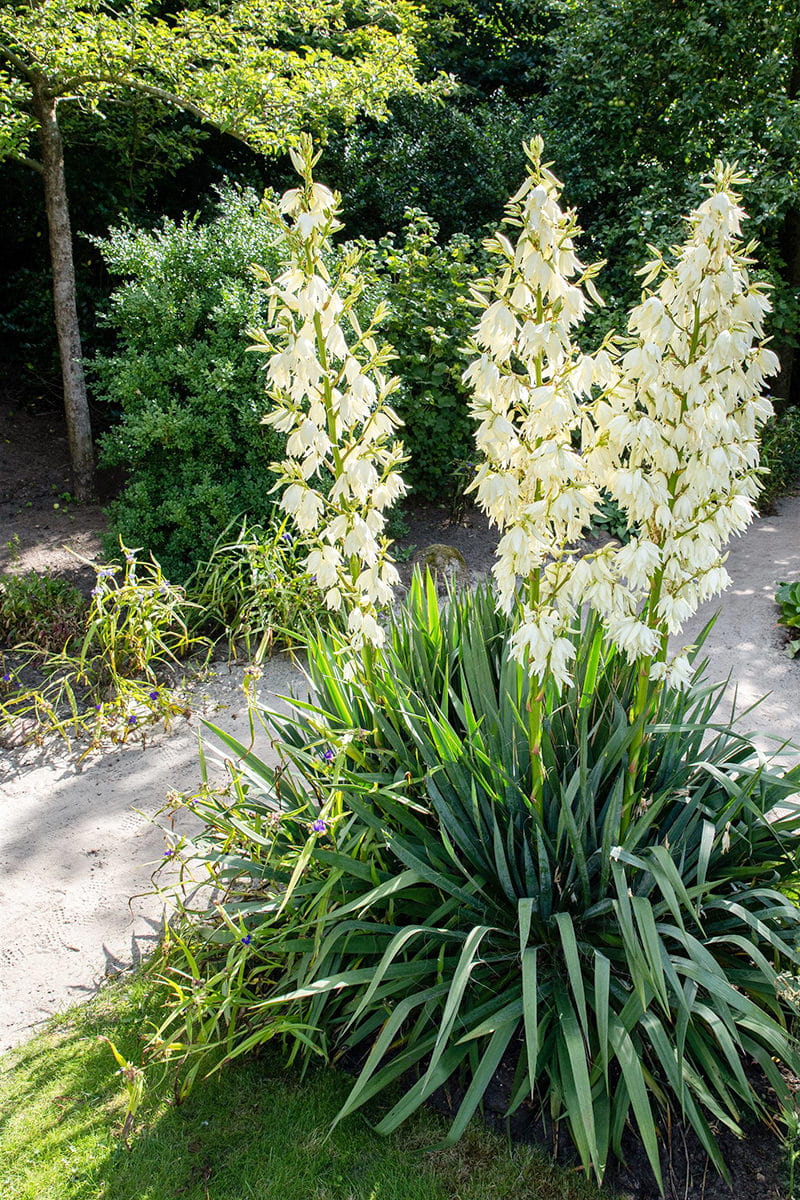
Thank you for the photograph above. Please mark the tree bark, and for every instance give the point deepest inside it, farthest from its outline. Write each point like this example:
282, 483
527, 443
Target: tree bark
76, 404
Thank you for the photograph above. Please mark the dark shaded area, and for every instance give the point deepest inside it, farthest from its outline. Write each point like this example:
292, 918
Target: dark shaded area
757, 1163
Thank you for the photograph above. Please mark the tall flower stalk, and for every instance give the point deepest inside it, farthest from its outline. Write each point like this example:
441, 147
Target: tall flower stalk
327, 382
529, 383
676, 440
672, 436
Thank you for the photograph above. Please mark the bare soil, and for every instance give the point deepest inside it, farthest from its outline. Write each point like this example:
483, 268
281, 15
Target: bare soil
41, 529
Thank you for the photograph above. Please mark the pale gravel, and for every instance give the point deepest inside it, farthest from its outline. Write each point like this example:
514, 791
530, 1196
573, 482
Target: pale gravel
78, 846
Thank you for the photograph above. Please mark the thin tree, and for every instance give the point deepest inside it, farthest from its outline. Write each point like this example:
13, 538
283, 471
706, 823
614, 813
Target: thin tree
261, 71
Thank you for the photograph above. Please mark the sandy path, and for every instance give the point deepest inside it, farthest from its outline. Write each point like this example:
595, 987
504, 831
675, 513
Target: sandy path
73, 850
77, 850
746, 642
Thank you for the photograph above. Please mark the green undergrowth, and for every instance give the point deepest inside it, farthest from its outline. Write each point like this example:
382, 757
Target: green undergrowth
258, 1131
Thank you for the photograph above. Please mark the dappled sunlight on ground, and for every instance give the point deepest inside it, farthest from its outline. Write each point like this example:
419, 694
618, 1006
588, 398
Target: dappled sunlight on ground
77, 843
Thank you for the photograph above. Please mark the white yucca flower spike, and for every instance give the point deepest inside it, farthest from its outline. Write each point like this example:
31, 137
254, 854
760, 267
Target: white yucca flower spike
326, 380
677, 437
528, 383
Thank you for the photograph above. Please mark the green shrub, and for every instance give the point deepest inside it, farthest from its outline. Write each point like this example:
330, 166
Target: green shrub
189, 397
780, 456
40, 609
787, 598
399, 898
459, 164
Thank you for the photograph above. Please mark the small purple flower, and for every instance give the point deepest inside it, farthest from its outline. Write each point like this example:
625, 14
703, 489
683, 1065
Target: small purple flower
97, 591
327, 754
319, 826
131, 720
287, 537
247, 939
168, 853
98, 707
7, 677
130, 556
153, 695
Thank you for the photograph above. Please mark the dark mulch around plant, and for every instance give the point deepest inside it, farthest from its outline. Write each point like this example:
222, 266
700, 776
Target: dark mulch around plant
757, 1163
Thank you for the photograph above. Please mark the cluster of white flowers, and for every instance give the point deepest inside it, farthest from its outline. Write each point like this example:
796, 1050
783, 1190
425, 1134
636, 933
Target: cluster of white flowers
671, 434
676, 438
667, 422
325, 377
528, 383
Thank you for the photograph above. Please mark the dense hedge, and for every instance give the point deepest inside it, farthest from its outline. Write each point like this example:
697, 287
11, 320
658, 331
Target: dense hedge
187, 395
189, 398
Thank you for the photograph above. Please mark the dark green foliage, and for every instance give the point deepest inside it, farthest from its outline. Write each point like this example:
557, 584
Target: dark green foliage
429, 320
787, 598
405, 902
493, 45
458, 166
645, 94
189, 396
40, 609
780, 456
127, 166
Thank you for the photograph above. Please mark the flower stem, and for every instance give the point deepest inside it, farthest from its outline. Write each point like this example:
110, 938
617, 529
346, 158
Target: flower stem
535, 713
646, 693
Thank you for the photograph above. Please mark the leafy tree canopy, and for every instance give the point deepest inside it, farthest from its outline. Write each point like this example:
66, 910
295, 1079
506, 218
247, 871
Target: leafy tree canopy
493, 44
645, 94
262, 70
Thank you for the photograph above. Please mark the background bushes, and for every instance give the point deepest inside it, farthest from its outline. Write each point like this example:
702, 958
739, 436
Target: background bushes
429, 321
189, 398
458, 165
634, 98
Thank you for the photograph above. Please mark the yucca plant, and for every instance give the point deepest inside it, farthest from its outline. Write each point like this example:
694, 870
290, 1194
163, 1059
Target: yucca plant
511, 839
407, 904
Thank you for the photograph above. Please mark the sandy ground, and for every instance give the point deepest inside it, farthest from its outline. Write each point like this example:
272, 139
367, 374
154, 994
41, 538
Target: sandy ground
746, 643
78, 847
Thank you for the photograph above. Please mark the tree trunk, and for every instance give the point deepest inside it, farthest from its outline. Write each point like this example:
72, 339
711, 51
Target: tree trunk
76, 404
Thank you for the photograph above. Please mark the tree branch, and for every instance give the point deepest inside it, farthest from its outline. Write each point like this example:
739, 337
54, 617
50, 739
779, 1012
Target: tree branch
16, 61
136, 85
194, 110
157, 93
27, 162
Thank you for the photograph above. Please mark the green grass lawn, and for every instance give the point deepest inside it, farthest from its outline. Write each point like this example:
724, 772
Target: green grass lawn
258, 1131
